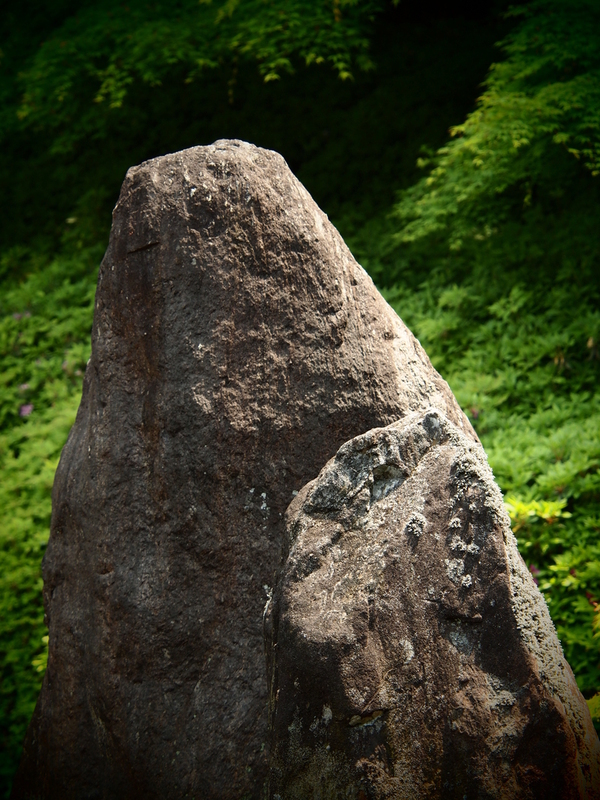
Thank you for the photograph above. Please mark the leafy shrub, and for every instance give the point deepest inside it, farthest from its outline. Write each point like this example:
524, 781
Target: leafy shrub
44, 346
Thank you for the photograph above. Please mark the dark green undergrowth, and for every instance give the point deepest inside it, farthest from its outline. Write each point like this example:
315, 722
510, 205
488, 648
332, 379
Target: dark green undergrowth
492, 257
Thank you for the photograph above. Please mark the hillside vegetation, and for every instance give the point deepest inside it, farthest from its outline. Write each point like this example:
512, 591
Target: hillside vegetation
485, 239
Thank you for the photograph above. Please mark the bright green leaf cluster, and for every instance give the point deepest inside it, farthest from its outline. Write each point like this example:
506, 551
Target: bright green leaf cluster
543, 98
102, 51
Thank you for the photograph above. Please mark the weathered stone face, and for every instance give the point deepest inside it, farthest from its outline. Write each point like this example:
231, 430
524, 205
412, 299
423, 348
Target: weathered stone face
411, 655
236, 346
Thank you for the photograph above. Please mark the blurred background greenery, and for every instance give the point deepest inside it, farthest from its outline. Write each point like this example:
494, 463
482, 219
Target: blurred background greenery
456, 146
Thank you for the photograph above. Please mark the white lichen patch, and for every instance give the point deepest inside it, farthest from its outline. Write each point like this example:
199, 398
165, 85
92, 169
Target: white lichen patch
503, 700
459, 638
454, 569
458, 544
415, 525
501, 697
409, 650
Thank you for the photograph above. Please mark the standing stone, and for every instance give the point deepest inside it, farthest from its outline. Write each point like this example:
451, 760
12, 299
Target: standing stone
236, 345
411, 655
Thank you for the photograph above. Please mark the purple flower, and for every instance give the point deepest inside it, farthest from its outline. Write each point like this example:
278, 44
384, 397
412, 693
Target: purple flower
26, 410
17, 315
23, 387
534, 573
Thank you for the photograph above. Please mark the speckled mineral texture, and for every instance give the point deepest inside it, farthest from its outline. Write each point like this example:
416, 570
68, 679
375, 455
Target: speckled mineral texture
411, 655
236, 346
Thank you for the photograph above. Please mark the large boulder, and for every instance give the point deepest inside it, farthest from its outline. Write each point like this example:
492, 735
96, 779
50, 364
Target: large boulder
411, 655
236, 346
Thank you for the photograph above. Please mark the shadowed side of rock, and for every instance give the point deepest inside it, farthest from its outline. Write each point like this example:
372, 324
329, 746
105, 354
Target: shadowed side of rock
411, 655
236, 345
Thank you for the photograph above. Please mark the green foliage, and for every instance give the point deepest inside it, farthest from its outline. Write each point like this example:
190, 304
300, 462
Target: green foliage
594, 706
90, 64
569, 573
542, 99
44, 346
352, 142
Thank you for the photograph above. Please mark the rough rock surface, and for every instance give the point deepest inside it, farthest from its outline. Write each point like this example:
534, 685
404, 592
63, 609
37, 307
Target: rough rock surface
411, 654
236, 345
